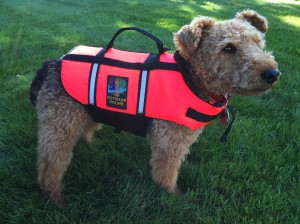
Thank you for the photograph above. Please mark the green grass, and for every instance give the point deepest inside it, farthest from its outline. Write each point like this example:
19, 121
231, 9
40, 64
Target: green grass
252, 178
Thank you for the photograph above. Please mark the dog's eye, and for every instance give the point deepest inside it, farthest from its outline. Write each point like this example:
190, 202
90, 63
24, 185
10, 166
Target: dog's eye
230, 49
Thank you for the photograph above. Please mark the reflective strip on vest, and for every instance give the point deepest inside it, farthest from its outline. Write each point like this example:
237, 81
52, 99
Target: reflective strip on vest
142, 92
92, 87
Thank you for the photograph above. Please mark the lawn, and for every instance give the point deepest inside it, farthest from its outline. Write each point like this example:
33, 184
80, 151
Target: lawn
252, 178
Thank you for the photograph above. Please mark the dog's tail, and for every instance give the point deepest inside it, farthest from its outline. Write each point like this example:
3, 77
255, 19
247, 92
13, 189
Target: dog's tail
39, 80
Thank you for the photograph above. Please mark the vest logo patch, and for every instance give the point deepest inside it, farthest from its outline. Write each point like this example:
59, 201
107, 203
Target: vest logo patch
116, 94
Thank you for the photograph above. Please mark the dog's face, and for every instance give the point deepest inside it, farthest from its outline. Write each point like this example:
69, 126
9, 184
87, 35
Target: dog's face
229, 56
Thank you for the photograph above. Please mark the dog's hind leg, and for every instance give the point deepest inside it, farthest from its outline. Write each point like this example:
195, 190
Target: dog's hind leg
170, 143
59, 130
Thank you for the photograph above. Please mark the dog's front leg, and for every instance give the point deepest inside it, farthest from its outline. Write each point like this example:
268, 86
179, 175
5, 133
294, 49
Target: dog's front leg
170, 143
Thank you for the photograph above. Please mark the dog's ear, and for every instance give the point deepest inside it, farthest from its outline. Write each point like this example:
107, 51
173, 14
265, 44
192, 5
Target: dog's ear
188, 37
256, 20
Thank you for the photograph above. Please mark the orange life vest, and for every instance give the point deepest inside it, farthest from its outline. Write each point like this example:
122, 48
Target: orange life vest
117, 85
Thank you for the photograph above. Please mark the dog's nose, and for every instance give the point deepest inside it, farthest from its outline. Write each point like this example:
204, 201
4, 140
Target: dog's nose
271, 75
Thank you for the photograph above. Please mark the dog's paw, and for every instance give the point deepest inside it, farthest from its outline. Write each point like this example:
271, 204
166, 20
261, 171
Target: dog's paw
59, 198
175, 190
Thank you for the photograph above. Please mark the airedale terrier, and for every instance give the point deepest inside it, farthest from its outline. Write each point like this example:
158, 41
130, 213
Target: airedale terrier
216, 59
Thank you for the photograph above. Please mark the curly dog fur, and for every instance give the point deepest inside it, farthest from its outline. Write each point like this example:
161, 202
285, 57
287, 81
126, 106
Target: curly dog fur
220, 57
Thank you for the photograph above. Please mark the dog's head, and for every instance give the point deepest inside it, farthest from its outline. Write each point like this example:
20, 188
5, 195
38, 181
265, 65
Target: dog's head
229, 56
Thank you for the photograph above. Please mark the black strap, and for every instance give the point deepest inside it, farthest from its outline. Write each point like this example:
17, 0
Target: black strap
198, 116
159, 43
121, 64
226, 132
135, 124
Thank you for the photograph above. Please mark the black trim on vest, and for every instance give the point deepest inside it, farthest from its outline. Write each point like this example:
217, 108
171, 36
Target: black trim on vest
121, 64
152, 58
135, 124
200, 117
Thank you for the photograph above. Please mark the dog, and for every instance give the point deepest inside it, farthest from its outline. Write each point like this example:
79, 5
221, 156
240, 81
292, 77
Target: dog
217, 59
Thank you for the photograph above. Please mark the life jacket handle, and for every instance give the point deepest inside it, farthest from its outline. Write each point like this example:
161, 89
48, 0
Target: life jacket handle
159, 43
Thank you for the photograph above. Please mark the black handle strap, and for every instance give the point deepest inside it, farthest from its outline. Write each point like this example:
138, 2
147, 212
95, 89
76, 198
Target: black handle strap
159, 43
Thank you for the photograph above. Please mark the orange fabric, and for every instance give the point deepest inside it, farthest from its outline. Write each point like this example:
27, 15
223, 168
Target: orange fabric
75, 79
126, 56
169, 98
168, 58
